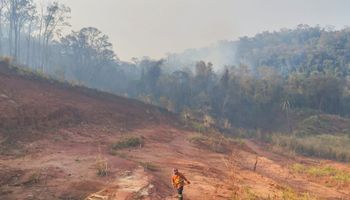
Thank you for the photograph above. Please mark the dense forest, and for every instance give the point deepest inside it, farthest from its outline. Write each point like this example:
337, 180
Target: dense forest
252, 82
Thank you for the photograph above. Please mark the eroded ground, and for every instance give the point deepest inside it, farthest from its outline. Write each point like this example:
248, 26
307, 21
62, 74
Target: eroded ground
63, 166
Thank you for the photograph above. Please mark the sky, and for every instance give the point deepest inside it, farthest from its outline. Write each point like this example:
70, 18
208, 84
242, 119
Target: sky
155, 27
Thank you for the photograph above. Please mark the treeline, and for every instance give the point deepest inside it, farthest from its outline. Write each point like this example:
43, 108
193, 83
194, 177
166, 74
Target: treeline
304, 49
272, 76
32, 35
253, 98
27, 30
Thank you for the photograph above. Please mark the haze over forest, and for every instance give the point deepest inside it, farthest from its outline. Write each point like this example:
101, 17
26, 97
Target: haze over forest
156, 27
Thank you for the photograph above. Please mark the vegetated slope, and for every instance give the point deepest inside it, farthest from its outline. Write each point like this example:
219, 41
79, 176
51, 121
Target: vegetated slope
63, 142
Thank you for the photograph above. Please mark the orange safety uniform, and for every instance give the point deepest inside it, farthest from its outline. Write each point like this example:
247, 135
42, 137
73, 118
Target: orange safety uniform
178, 180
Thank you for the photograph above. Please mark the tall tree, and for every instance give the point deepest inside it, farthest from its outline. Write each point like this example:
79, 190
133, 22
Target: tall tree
88, 50
54, 20
19, 13
3, 6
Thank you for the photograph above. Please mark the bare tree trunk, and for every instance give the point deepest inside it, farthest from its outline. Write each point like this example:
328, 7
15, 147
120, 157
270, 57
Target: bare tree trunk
10, 31
16, 41
28, 43
19, 44
256, 163
34, 53
1, 36
47, 52
40, 38
288, 122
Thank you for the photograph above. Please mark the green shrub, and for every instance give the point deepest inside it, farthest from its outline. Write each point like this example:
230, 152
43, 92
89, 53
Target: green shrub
198, 127
128, 142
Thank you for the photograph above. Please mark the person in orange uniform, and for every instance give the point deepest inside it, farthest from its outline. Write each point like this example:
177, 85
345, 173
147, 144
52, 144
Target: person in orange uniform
178, 180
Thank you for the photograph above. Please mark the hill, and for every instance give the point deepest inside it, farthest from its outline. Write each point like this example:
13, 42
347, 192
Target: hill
68, 142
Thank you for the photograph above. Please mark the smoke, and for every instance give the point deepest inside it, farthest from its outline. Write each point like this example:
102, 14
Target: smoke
220, 55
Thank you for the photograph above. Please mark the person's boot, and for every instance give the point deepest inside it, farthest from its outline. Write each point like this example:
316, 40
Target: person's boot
180, 197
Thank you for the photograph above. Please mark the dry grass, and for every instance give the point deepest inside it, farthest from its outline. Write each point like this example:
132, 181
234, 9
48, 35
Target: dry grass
324, 146
290, 194
101, 164
150, 166
102, 167
336, 176
34, 178
217, 143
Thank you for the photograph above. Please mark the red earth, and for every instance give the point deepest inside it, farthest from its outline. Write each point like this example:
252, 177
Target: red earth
53, 136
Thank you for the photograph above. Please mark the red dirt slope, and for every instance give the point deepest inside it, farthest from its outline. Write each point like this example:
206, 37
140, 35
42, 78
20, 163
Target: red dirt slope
53, 135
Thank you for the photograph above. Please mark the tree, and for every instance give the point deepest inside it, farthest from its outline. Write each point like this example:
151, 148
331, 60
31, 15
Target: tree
20, 11
87, 51
3, 6
286, 108
151, 74
224, 86
31, 22
54, 20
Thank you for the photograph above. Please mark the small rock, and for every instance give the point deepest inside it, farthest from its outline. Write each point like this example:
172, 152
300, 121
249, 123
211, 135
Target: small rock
4, 96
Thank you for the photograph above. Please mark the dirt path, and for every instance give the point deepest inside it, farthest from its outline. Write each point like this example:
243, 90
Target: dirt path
131, 185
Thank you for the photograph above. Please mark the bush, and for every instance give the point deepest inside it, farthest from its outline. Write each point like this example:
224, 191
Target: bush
128, 142
198, 127
101, 166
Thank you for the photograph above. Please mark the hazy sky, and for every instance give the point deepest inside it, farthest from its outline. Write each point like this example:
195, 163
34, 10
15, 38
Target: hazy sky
154, 27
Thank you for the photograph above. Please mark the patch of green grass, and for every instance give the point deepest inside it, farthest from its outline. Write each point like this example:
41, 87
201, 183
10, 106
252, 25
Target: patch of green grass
128, 142
119, 154
321, 171
290, 194
298, 168
198, 127
340, 176
249, 195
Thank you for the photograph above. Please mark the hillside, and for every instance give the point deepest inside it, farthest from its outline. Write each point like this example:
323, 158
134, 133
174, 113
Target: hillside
65, 142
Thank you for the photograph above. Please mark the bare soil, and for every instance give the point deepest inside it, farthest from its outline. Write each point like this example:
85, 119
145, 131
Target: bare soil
52, 137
